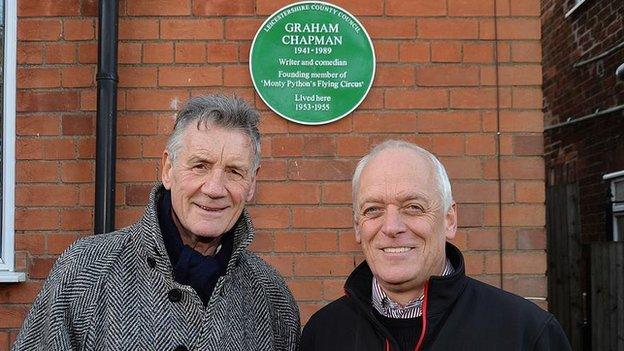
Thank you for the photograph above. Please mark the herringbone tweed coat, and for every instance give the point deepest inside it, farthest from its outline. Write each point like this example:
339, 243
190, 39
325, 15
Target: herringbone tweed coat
116, 292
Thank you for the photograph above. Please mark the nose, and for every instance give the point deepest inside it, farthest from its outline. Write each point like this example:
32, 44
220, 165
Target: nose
214, 184
393, 222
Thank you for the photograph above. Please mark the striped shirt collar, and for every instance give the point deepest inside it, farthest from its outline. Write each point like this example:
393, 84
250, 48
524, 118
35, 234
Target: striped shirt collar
388, 308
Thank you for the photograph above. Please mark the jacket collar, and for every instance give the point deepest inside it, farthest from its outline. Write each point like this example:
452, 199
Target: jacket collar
150, 238
442, 291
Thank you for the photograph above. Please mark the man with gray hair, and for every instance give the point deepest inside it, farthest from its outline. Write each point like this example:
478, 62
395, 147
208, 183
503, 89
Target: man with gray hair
181, 278
412, 293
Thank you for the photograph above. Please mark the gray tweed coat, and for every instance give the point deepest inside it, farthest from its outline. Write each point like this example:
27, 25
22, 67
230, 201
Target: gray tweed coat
116, 292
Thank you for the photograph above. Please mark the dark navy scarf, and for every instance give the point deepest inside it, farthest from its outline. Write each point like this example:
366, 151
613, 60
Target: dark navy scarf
189, 266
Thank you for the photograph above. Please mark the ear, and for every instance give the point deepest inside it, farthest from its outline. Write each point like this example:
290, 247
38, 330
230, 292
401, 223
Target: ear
166, 170
252, 186
358, 237
450, 222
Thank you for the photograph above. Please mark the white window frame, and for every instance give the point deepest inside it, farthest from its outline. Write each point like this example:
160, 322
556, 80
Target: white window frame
577, 4
617, 209
7, 256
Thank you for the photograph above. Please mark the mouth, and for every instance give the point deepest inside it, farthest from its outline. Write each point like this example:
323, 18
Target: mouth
400, 249
211, 208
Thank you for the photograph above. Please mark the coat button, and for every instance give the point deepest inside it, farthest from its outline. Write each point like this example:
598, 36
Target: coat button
151, 262
174, 295
181, 348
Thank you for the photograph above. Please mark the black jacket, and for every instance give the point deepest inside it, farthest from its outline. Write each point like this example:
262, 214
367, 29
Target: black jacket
460, 313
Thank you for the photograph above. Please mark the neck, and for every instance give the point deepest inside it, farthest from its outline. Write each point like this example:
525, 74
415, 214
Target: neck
206, 246
407, 292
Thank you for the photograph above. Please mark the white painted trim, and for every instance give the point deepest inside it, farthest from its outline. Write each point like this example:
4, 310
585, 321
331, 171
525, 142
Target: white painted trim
613, 175
7, 260
574, 8
12, 277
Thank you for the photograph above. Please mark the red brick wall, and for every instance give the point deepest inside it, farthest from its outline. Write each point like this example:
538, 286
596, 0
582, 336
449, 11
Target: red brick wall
436, 84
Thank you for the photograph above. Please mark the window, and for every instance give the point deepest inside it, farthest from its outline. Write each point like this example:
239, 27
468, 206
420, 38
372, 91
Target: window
616, 210
8, 24
575, 5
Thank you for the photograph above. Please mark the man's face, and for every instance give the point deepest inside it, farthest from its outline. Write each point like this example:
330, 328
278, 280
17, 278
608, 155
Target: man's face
400, 220
210, 180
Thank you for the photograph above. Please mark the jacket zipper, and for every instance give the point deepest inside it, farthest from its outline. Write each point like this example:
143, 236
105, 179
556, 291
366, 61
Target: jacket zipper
424, 322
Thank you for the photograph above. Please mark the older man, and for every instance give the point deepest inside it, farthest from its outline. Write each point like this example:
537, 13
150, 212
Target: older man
180, 278
412, 293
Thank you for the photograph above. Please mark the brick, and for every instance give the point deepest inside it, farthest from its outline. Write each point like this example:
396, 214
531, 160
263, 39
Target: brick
386, 28
40, 267
347, 243
447, 75
525, 8
523, 215
38, 78
306, 289
36, 30
19, 293
320, 169
158, 52
222, 52
478, 52
77, 171
153, 146
446, 51
34, 243
76, 219
190, 76
138, 29
60, 53
78, 124
241, 28
521, 121
137, 76
449, 122
56, 8
528, 144
523, 285
236, 76
475, 191
224, 8
283, 263
524, 262
520, 75
518, 28
444, 28
362, 8
128, 147
526, 51
273, 217
47, 101
37, 125
533, 192
532, 239
394, 76
386, 51
487, 31
36, 219
59, 242
448, 145
414, 51
137, 194
325, 265
158, 7
36, 171
29, 53
263, 242
470, 8
272, 170
365, 122
78, 76
483, 239
322, 217
321, 241
58, 149
126, 217
155, 99
341, 126
289, 241
89, 8
12, 315
46, 195
522, 168
480, 144
462, 168
336, 193
429, 98
527, 98
81, 29
129, 53
87, 53
191, 29
133, 171
190, 53
473, 98
415, 8
349, 145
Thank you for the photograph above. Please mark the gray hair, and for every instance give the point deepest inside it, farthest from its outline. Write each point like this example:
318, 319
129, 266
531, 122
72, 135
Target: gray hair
221, 111
441, 177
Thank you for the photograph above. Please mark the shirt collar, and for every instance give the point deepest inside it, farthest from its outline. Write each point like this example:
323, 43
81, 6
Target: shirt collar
391, 309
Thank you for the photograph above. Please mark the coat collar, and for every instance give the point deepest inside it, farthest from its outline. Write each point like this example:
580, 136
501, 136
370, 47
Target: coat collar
150, 238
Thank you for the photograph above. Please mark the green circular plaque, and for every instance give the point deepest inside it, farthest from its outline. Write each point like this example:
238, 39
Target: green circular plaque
312, 62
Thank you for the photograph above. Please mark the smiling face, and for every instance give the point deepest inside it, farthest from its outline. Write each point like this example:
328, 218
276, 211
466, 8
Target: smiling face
210, 180
401, 223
